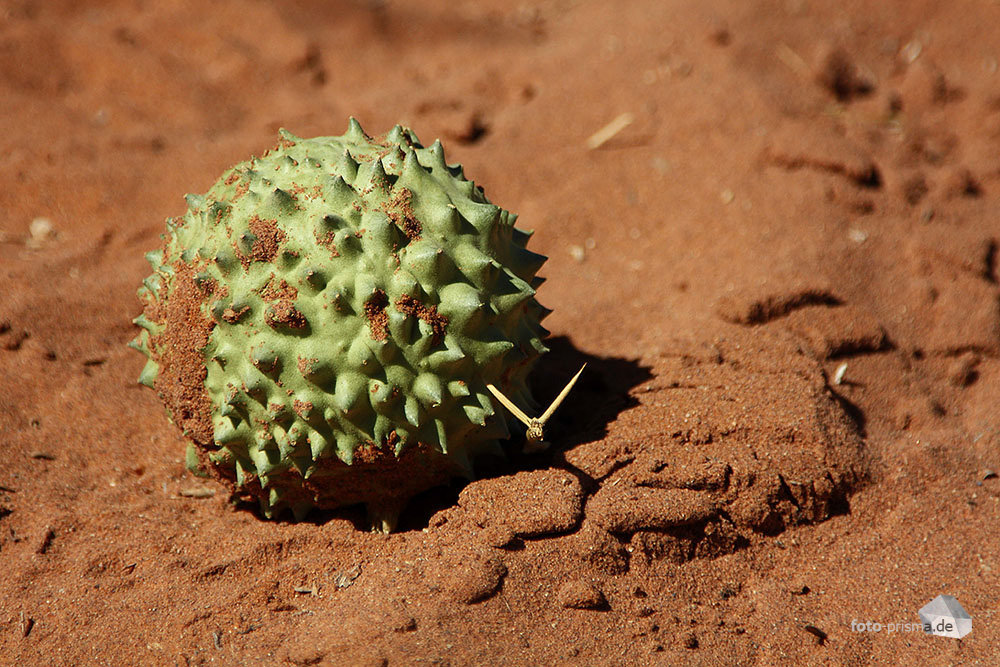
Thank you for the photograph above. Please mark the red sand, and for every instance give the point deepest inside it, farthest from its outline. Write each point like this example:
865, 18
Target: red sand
803, 185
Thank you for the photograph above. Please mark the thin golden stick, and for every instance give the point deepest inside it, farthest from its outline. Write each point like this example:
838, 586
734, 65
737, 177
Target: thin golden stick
516, 411
559, 399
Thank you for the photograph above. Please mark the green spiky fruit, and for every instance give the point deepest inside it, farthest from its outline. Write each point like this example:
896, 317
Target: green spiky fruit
323, 322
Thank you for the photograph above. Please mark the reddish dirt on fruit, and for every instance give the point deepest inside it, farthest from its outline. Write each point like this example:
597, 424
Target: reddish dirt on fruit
268, 239
399, 209
186, 331
429, 314
780, 265
378, 320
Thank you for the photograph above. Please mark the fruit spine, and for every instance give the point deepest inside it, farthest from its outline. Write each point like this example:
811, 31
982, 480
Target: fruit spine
323, 322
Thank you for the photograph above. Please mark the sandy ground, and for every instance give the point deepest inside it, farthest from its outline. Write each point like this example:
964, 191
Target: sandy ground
806, 193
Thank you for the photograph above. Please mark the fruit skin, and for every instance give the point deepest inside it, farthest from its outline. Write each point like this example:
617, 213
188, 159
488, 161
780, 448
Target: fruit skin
323, 322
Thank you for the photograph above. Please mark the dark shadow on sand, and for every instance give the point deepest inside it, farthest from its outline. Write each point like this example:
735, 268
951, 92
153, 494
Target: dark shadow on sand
599, 396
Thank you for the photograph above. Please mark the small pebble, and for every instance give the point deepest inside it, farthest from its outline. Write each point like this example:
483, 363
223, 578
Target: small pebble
962, 371
579, 594
473, 577
40, 231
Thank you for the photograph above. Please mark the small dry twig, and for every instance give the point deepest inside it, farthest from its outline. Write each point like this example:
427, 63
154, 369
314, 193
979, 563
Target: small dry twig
196, 493
27, 623
346, 578
47, 536
820, 635
606, 133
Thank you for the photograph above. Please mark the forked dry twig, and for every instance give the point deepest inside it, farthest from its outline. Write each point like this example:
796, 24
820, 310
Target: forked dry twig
536, 425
